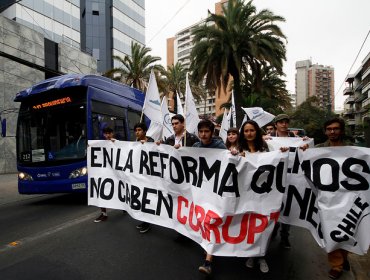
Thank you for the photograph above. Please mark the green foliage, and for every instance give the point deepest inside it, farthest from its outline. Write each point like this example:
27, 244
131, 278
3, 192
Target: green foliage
311, 118
135, 69
235, 44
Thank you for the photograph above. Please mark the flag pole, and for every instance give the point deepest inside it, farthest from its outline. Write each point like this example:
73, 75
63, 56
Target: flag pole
185, 105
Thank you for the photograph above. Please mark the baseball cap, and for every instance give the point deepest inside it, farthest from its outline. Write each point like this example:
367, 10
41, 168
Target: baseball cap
281, 117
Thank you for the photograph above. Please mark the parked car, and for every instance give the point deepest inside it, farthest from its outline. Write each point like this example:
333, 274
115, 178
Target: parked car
298, 131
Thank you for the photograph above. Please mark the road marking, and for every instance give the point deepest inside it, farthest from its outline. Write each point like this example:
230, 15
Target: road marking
39, 235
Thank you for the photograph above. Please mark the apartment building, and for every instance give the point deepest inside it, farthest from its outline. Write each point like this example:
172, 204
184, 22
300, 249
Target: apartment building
314, 80
179, 49
357, 104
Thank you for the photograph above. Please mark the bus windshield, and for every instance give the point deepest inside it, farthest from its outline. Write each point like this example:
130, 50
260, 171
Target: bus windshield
52, 131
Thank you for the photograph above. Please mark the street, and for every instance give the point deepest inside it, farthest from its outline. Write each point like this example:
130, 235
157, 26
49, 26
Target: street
54, 237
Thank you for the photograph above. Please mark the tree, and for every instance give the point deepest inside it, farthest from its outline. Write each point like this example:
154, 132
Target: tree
311, 118
233, 44
135, 69
266, 90
174, 79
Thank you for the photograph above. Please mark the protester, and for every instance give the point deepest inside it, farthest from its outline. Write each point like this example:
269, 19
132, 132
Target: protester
282, 130
232, 140
108, 135
205, 131
269, 128
334, 130
140, 133
178, 139
251, 141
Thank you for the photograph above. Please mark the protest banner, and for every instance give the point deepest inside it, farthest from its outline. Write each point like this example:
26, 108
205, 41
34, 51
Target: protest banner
228, 206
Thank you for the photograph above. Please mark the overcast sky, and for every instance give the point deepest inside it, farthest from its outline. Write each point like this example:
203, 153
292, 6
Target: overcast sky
330, 32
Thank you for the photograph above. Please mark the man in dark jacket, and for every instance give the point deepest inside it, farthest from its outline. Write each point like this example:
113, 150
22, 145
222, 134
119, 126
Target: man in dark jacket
181, 137
205, 132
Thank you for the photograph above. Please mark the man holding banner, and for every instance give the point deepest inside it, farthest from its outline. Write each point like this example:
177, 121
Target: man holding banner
181, 137
140, 133
334, 131
205, 131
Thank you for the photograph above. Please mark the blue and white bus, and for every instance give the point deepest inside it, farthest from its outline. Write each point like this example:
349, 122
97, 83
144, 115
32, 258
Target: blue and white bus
57, 117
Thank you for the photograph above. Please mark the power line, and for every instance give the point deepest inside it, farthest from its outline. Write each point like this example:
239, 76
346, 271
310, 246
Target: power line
350, 69
164, 26
9, 4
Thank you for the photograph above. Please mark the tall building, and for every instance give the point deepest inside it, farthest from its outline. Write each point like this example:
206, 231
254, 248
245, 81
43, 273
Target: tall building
109, 26
179, 49
59, 21
39, 39
314, 80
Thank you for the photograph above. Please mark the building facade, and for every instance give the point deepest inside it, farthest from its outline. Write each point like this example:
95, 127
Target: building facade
27, 57
109, 26
179, 49
357, 104
314, 80
58, 21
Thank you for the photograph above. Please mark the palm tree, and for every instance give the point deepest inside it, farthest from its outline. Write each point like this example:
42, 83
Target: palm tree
266, 89
232, 44
174, 79
135, 69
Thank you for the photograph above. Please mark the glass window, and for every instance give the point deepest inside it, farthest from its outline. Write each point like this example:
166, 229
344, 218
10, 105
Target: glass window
107, 115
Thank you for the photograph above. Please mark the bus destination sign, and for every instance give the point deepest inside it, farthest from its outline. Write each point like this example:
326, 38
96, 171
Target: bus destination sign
55, 102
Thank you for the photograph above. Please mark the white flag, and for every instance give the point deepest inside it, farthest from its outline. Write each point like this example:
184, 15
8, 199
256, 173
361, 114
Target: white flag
232, 110
152, 109
180, 110
258, 115
225, 125
167, 126
191, 114
152, 102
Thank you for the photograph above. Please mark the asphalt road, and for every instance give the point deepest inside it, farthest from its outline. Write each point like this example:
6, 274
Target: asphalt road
54, 237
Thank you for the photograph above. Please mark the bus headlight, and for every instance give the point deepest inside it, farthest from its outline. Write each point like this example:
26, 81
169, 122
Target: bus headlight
78, 173
23, 176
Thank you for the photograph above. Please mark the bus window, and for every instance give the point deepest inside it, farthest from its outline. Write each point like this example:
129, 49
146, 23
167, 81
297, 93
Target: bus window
133, 118
107, 115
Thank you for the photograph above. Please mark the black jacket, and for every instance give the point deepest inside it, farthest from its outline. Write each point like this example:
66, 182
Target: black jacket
191, 139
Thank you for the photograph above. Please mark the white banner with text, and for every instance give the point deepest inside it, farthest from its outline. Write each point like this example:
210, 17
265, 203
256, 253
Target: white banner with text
230, 204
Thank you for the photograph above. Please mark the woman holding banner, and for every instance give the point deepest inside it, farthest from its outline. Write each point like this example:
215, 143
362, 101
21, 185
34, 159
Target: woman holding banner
251, 141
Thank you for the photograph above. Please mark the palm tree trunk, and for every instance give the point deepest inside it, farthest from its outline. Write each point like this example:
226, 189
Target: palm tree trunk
238, 101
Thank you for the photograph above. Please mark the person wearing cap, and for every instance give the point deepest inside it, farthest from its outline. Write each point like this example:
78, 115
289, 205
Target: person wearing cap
282, 130
282, 126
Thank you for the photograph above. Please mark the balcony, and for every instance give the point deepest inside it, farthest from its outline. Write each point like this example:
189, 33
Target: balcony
351, 122
366, 87
360, 97
366, 103
349, 112
350, 78
358, 87
348, 91
350, 100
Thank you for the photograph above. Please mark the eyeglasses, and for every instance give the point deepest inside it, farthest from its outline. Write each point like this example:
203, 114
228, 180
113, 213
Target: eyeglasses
335, 129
